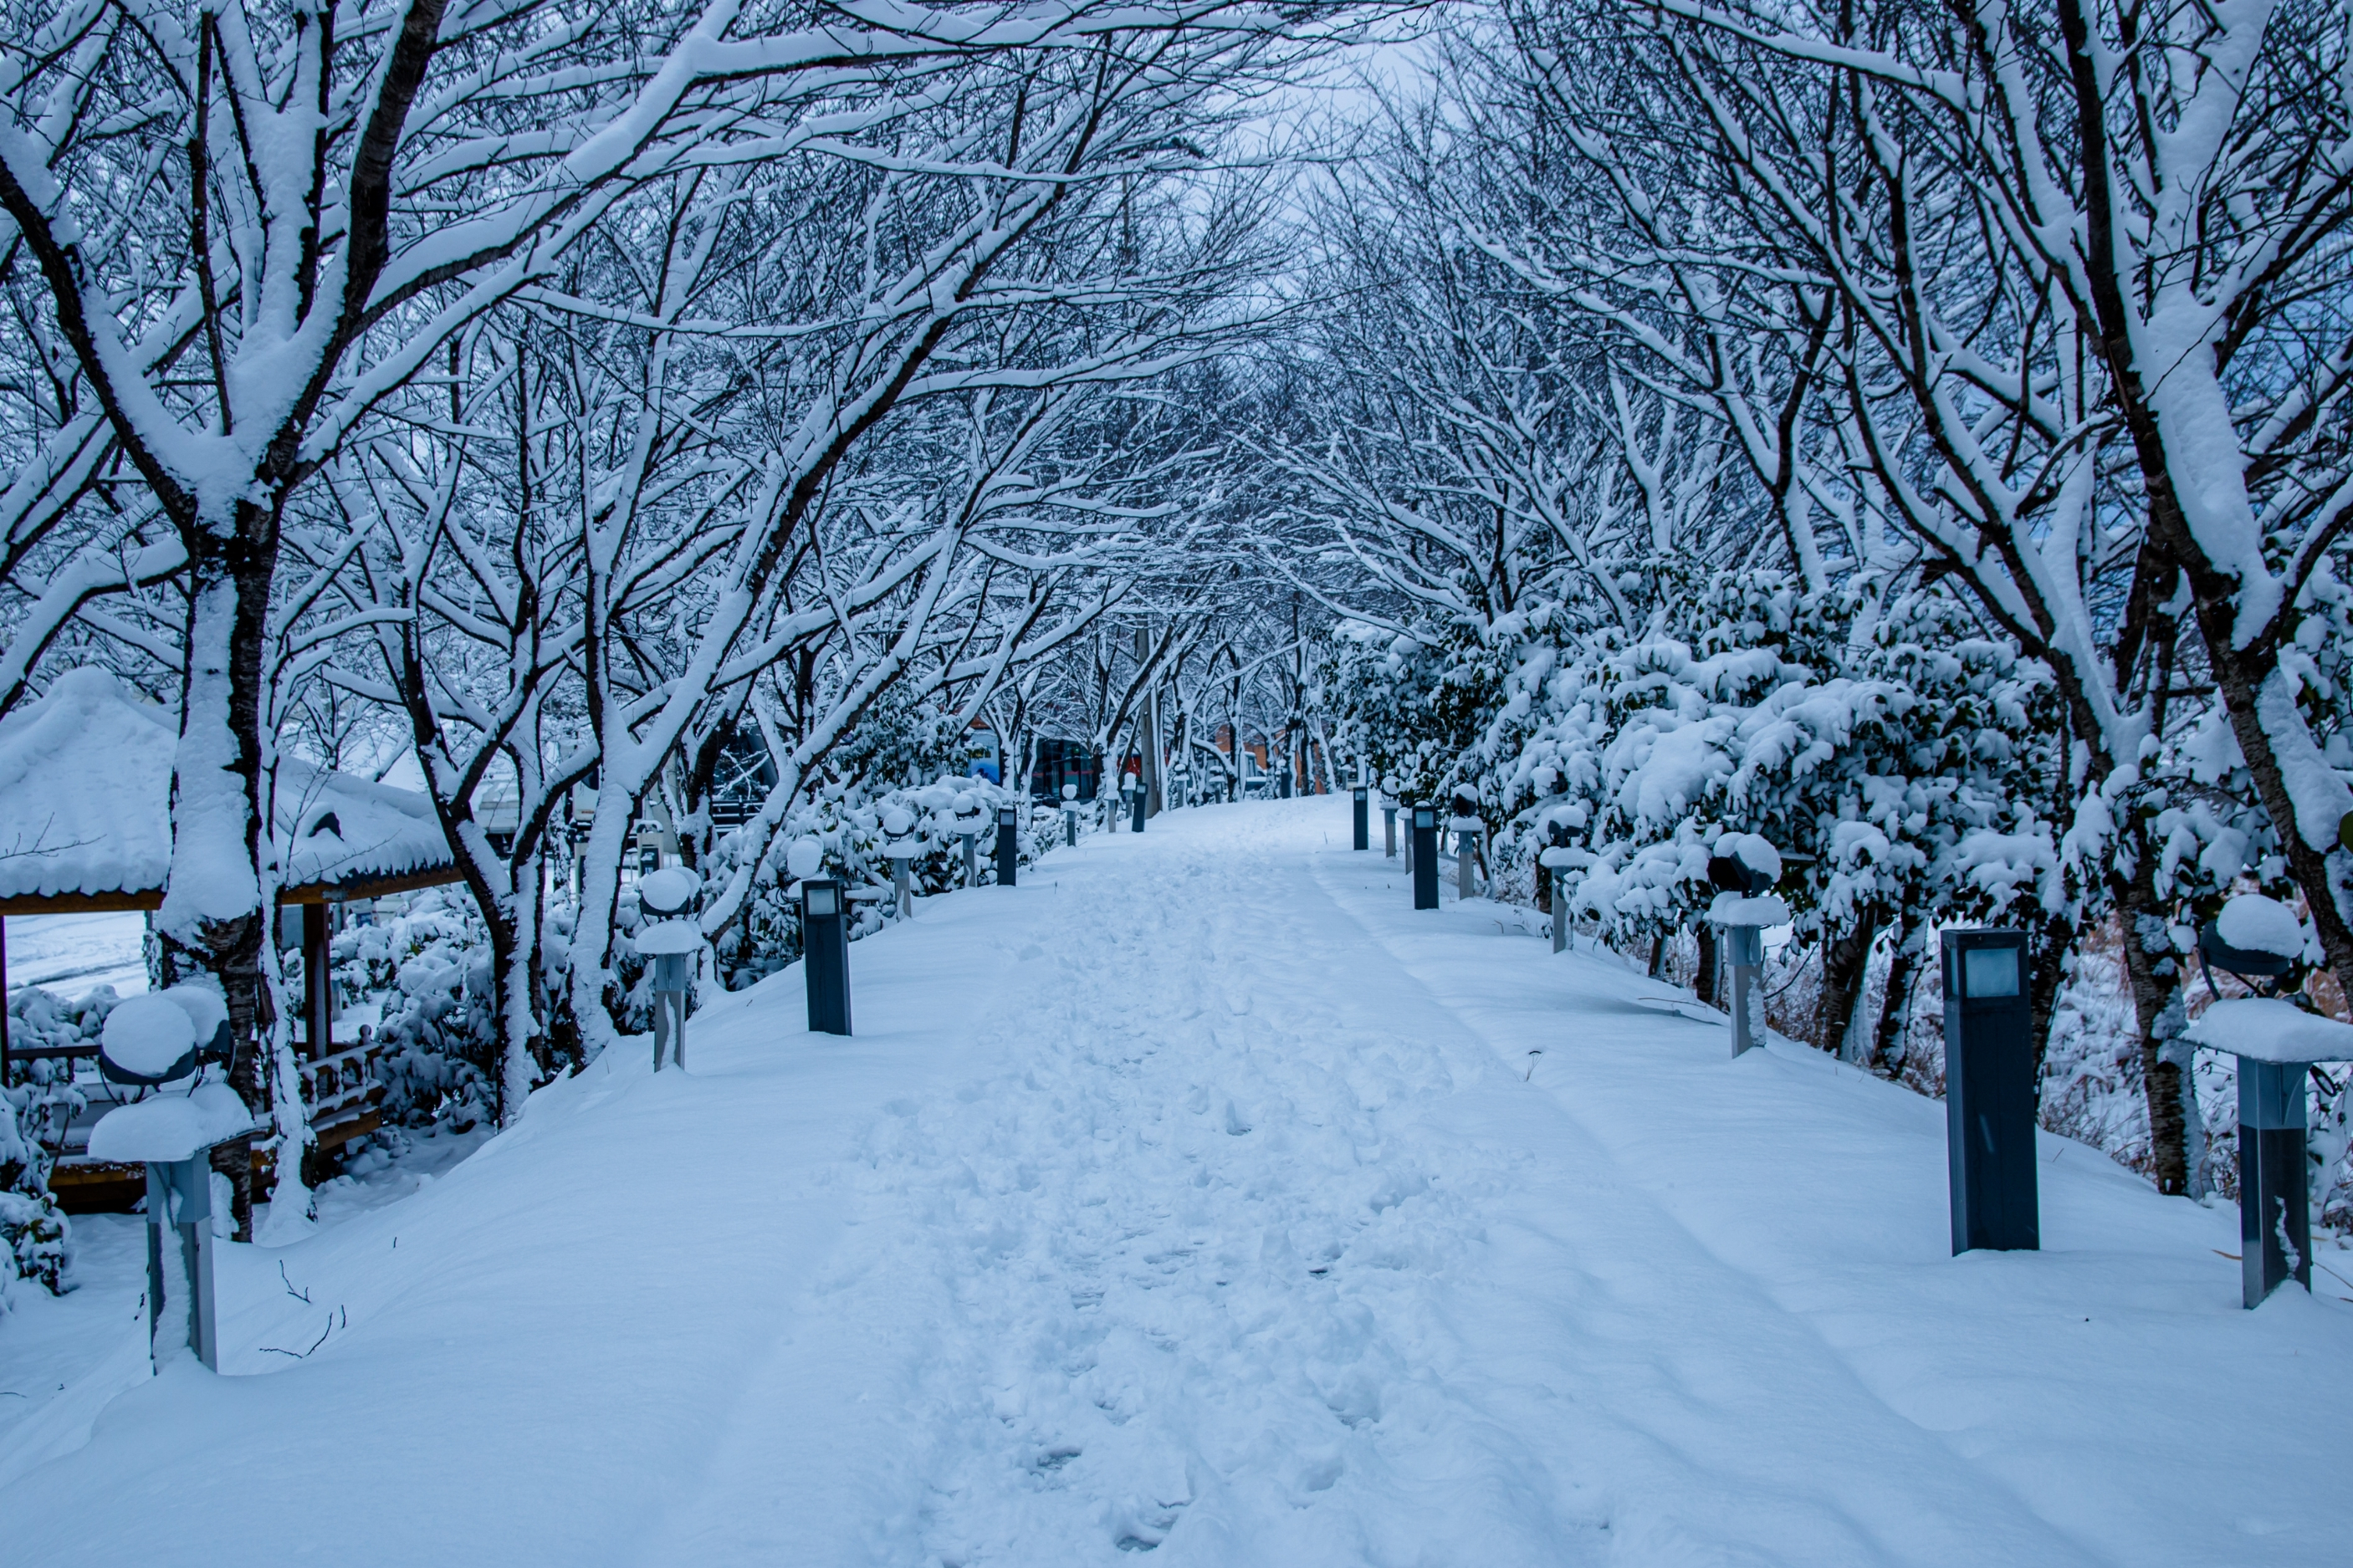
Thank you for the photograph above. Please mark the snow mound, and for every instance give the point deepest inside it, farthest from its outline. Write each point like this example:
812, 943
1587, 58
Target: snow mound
666, 891
172, 1126
206, 1008
1754, 851
2253, 923
1731, 910
149, 1034
668, 936
2271, 1030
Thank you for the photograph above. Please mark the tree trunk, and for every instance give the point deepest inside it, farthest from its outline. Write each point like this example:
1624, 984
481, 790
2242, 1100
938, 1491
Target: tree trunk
1889, 1046
1846, 963
2155, 973
1704, 981
1658, 954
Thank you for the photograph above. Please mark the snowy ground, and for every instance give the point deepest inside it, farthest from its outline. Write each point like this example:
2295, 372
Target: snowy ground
74, 955
1199, 1196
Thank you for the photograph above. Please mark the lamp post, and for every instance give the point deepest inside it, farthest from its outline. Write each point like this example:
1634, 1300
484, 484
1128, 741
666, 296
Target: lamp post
1425, 857
825, 956
1744, 868
1008, 823
670, 941
1466, 830
2277, 1044
1389, 827
1557, 862
1135, 803
1070, 815
149, 1041
1990, 1092
1363, 818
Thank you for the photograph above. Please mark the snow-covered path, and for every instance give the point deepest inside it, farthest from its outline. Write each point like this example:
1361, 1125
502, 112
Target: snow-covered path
1198, 1196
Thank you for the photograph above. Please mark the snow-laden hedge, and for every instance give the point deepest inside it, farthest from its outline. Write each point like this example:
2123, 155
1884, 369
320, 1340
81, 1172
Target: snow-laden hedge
35, 1105
842, 833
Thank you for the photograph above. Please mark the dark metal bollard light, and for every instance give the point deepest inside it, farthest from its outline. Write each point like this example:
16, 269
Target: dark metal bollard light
1388, 826
1990, 1092
1364, 817
1008, 822
825, 956
1138, 806
2274, 1203
1425, 857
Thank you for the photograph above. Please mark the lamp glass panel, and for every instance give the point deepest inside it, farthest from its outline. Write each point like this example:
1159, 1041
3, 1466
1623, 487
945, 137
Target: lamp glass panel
824, 901
1990, 971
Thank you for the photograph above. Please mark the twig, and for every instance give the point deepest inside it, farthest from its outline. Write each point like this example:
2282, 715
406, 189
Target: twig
300, 1355
301, 1296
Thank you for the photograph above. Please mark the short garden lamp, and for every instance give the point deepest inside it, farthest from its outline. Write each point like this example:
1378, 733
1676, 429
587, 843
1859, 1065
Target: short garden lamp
1424, 854
1990, 1092
1008, 828
1136, 803
668, 941
1558, 861
1070, 815
900, 845
1361, 808
1388, 826
969, 819
2277, 1044
825, 955
1744, 869
151, 1041
1466, 829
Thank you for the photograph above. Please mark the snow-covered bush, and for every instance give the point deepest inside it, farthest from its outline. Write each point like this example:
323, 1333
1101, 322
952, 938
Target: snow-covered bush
35, 1109
429, 971
842, 833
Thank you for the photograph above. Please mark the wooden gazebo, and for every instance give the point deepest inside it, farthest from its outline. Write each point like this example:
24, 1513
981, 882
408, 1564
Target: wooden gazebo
85, 827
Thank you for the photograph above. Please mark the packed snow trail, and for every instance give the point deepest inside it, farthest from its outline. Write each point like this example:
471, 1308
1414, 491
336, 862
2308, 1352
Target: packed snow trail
1197, 1196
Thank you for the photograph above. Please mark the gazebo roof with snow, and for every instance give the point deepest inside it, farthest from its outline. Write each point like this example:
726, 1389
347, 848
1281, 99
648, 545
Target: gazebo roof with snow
85, 812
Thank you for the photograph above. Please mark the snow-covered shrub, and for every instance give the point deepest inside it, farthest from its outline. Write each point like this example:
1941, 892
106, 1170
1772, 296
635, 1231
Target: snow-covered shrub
429, 971
842, 833
34, 1231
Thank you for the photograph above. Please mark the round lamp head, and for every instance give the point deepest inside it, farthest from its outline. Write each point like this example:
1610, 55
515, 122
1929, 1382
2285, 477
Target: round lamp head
147, 1039
668, 891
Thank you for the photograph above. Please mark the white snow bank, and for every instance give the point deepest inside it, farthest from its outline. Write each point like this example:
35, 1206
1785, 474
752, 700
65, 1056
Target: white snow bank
2271, 1030
2253, 923
169, 1127
1732, 909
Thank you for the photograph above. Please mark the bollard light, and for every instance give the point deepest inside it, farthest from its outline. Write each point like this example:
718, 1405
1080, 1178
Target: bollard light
1008, 823
1744, 867
1070, 815
1425, 857
670, 940
1364, 817
825, 956
2277, 1044
1466, 830
1389, 828
1990, 1092
1137, 806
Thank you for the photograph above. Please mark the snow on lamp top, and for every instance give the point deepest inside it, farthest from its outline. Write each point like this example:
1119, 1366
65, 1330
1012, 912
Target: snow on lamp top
149, 1040
1069, 792
668, 891
805, 860
168, 1127
2269, 1029
2253, 923
668, 936
1752, 851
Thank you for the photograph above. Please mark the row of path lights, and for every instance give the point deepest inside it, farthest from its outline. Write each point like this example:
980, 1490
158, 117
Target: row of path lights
151, 1041
672, 940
